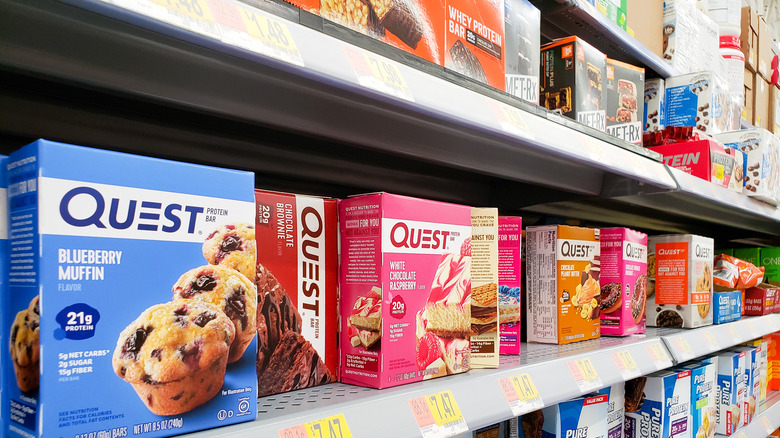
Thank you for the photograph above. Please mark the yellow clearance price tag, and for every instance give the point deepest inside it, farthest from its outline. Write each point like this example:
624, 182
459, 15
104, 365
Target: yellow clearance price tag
767, 425
709, 339
658, 354
273, 36
683, 348
732, 333
625, 364
438, 415
585, 374
521, 393
331, 427
513, 121
193, 15
378, 74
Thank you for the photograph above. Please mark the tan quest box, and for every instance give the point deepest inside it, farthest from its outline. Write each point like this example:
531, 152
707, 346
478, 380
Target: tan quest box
484, 288
563, 284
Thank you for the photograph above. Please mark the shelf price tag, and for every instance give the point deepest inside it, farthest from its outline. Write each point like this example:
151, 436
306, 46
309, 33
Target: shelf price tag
512, 120
243, 26
521, 394
683, 348
378, 74
193, 15
438, 415
752, 329
625, 364
330, 427
732, 333
767, 425
594, 149
658, 354
585, 374
742, 435
709, 339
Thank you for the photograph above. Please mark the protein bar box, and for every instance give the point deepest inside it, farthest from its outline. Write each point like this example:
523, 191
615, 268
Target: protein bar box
474, 41
615, 410
762, 161
732, 391
573, 81
727, 306
762, 299
510, 278
625, 85
704, 397
130, 309
584, 417
297, 291
697, 100
563, 299
405, 289
623, 281
682, 293
770, 261
522, 23
753, 376
485, 341
660, 402
4, 264
654, 107
705, 159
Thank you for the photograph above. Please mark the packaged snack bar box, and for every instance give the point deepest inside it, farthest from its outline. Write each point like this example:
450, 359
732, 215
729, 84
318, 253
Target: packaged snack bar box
584, 417
705, 159
563, 300
658, 402
761, 346
405, 289
704, 397
681, 295
762, 158
130, 279
680, 35
750, 255
727, 306
474, 41
625, 85
732, 391
4, 263
522, 23
485, 342
770, 260
753, 376
762, 299
623, 281
297, 291
615, 410
697, 100
573, 81
654, 113
509, 282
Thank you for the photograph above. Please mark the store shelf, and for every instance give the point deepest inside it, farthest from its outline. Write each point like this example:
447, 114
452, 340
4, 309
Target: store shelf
765, 422
562, 18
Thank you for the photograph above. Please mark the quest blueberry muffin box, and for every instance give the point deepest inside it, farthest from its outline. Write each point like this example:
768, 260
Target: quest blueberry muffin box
132, 301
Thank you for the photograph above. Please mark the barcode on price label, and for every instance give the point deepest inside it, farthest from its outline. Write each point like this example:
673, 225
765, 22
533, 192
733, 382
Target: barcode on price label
438, 415
585, 374
626, 364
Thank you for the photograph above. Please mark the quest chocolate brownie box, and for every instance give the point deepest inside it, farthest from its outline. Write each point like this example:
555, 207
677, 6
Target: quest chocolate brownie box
521, 26
625, 110
297, 291
573, 81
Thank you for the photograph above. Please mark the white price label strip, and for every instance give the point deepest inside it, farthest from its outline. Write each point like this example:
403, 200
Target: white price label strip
585, 375
378, 74
626, 364
683, 348
658, 354
438, 415
521, 394
250, 29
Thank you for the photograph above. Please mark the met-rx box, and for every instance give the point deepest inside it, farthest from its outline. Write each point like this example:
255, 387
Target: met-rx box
615, 409
663, 407
573, 81
625, 86
405, 289
732, 391
297, 291
522, 23
583, 417
127, 278
510, 277
654, 112
704, 397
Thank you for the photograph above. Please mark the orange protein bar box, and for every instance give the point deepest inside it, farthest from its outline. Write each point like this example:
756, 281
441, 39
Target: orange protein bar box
563, 284
474, 40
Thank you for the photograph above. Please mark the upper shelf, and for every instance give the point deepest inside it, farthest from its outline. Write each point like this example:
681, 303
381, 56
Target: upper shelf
562, 18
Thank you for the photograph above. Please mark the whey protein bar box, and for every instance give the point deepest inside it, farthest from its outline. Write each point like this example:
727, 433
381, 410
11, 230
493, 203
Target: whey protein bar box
510, 277
474, 40
131, 277
615, 409
654, 113
732, 391
623, 281
584, 417
659, 402
704, 397
563, 299
297, 291
573, 81
682, 292
762, 161
625, 85
522, 23
484, 288
405, 289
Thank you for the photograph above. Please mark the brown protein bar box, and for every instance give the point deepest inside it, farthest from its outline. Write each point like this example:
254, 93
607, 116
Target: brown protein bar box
474, 40
573, 81
625, 104
297, 291
415, 26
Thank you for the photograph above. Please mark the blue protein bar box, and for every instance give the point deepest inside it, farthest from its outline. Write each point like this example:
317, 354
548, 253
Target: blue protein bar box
99, 346
4, 351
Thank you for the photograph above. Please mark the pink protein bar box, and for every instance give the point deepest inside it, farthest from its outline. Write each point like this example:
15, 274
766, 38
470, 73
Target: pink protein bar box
623, 281
509, 280
405, 289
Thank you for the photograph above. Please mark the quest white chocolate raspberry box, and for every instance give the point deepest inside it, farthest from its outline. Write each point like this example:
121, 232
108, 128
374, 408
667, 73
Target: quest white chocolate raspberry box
510, 277
129, 312
297, 291
563, 284
680, 290
405, 289
485, 341
623, 281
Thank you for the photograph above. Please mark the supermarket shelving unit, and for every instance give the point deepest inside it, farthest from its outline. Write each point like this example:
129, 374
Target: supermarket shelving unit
126, 75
